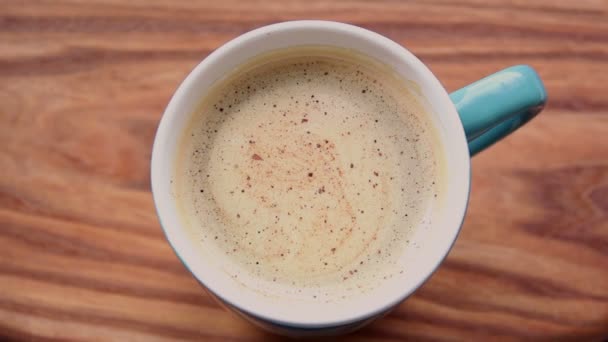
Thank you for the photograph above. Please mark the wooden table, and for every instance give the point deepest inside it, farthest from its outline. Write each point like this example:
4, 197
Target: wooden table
83, 85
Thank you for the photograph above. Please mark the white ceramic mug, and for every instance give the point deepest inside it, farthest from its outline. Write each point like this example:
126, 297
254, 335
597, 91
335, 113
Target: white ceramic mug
512, 97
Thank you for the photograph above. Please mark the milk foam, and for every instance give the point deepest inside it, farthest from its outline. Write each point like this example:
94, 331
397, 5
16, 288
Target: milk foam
310, 169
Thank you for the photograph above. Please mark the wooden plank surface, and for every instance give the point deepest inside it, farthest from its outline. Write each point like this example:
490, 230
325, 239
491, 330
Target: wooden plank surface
83, 85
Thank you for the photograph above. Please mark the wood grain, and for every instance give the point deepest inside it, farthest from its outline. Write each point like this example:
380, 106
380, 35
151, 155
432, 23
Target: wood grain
83, 85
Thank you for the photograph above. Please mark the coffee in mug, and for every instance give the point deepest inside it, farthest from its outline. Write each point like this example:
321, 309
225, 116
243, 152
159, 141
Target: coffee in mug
306, 170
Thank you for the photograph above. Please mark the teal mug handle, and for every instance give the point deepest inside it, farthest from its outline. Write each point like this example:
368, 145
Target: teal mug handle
495, 106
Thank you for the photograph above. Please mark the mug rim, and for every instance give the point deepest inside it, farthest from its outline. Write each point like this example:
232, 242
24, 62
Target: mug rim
198, 71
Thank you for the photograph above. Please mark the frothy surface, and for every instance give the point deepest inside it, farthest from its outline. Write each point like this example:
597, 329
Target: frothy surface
309, 169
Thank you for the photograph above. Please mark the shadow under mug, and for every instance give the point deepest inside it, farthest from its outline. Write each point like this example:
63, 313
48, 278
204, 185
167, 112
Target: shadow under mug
468, 120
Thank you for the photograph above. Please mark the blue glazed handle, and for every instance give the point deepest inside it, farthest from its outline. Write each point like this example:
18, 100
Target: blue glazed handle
498, 104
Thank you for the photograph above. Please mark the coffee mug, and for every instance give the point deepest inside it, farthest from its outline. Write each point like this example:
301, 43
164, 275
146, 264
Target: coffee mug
468, 121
